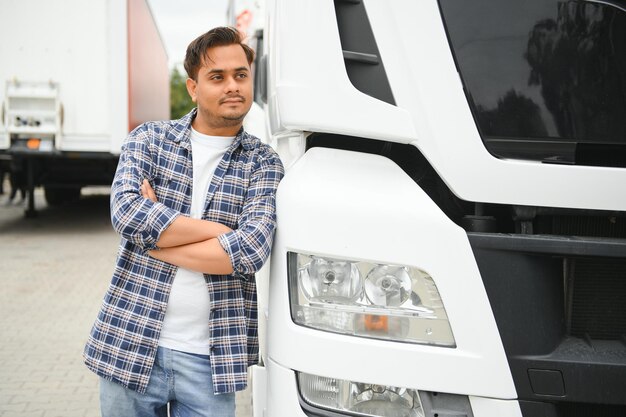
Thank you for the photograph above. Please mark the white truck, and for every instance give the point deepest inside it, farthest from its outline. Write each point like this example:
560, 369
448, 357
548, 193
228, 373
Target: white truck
451, 234
76, 77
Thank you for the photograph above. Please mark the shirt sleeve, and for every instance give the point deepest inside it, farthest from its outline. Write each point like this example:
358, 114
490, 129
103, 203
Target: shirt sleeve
137, 219
248, 247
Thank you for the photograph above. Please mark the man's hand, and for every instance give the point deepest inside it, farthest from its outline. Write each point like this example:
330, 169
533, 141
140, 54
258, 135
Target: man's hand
147, 191
208, 257
194, 241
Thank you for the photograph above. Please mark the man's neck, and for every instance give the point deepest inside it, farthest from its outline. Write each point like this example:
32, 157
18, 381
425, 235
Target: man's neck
206, 129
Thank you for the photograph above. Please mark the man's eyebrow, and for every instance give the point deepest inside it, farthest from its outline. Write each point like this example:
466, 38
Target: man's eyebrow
221, 71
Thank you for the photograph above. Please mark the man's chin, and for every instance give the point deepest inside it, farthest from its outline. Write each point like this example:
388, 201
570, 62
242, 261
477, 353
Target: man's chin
225, 119
234, 118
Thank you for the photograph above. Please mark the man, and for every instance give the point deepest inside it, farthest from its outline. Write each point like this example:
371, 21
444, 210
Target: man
194, 202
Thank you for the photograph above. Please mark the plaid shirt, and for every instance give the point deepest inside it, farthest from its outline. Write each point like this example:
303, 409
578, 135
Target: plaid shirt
124, 339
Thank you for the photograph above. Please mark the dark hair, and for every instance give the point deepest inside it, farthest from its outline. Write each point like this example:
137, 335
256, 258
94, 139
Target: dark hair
197, 51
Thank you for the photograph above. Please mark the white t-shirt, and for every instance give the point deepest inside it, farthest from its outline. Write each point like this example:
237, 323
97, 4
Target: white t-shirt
185, 327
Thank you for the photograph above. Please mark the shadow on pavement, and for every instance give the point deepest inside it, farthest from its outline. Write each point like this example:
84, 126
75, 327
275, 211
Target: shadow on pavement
87, 215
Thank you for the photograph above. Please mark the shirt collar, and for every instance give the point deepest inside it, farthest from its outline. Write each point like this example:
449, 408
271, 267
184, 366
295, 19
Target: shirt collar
182, 128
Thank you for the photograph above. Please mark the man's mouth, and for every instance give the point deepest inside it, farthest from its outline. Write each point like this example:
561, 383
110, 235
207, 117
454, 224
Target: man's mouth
232, 100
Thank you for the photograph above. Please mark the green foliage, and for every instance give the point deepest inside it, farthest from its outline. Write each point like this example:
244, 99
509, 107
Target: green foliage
180, 102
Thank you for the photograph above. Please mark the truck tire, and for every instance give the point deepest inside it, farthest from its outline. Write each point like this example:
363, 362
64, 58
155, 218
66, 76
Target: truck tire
56, 196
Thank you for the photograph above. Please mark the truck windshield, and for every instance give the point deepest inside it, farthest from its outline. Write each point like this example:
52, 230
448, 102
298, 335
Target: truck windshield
545, 79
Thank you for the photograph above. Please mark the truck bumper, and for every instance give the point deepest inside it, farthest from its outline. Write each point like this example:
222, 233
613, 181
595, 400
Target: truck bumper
283, 400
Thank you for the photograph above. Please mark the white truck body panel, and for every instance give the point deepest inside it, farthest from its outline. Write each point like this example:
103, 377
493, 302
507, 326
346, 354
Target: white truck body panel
83, 47
118, 106
341, 195
421, 71
297, 89
106, 65
106, 57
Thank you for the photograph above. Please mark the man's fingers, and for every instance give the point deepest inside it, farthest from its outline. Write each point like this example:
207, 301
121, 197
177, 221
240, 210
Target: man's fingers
151, 194
147, 191
143, 189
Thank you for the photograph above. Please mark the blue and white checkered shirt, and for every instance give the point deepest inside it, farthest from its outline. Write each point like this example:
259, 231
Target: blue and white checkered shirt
124, 339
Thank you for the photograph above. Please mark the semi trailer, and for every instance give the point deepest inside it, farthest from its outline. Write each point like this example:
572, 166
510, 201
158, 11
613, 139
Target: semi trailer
75, 78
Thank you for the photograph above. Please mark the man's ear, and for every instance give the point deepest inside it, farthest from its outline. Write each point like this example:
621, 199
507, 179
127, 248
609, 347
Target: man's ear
191, 89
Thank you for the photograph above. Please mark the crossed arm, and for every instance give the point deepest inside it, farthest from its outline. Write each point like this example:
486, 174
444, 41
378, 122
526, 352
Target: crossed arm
191, 243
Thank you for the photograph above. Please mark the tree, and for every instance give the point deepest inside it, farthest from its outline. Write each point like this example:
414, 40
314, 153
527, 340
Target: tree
180, 102
578, 60
515, 116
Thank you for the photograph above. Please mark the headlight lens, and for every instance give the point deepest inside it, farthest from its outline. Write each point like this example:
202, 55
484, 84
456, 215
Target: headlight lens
391, 302
328, 280
388, 286
358, 398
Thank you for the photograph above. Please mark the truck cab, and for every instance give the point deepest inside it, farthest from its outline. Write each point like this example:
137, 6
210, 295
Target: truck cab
451, 234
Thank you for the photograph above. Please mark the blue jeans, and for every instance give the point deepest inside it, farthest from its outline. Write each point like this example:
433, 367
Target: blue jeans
181, 379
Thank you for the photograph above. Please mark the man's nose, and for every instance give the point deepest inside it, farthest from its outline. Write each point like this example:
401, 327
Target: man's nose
231, 85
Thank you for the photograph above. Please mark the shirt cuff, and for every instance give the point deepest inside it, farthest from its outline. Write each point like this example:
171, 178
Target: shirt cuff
159, 218
230, 243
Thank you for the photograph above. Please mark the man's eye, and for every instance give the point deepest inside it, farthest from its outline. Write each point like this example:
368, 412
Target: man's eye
242, 75
216, 77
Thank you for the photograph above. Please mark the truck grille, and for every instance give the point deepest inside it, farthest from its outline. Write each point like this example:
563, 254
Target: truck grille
589, 410
559, 305
593, 226
598, 307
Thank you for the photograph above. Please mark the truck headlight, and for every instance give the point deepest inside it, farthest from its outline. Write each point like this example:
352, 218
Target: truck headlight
327, 280
392, 302
358, 398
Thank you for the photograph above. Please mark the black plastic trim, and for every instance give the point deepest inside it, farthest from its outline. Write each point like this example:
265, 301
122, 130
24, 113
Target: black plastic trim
550, 245
527, 281
311, 411
59, 154
551, 151
602, 365
364, 66
547, 409
260, 69
361, 57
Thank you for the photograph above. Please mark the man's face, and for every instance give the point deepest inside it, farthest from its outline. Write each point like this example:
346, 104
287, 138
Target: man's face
222, 91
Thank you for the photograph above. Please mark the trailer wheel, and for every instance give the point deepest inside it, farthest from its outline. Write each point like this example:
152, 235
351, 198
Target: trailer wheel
57, 196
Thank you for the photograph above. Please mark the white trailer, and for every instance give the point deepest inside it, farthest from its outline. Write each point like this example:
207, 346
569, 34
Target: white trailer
451, 228
76, 77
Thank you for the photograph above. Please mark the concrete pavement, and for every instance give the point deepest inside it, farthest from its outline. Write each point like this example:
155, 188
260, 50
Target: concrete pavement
54, 270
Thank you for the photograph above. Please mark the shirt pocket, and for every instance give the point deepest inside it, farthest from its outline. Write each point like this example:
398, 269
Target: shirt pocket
161, 184
228, 201
174, 191
172, 179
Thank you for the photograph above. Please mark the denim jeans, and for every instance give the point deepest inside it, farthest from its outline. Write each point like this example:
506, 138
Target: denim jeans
181, 379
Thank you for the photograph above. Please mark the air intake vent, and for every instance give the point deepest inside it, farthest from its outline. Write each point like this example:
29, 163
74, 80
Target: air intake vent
360, 52
570, 409
597, 226
598, 299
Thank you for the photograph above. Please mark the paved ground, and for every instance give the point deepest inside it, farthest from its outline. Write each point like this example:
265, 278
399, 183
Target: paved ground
54, 270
